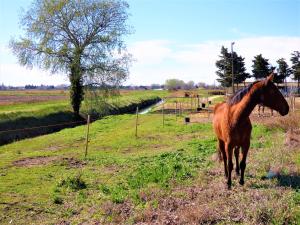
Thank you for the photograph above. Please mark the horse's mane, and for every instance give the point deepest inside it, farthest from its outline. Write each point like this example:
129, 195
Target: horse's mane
240, 94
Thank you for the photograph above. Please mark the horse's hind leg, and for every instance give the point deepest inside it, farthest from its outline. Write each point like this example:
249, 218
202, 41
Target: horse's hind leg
236, 154
229, 151
222, 151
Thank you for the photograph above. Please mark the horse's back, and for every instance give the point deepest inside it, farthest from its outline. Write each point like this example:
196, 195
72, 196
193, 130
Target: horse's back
224, 127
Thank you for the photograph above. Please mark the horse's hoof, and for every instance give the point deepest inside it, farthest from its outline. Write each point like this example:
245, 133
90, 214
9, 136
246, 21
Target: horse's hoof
229, 185
241, 182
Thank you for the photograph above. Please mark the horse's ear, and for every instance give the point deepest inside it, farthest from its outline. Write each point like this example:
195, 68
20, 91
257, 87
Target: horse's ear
269, 78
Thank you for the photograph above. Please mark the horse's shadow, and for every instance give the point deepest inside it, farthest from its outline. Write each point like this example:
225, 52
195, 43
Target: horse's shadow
283, 180
290, 180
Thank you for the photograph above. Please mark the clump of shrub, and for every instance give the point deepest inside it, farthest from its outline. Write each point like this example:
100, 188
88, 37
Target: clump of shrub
216, 92
74, 183
57, 200
118, 192
290, 122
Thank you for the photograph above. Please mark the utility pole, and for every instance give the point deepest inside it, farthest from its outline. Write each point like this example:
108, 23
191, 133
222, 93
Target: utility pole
232, 43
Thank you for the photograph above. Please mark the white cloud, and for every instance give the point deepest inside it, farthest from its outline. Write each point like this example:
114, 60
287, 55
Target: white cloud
16, 75
4, 49
271, 48
150, 52
197, 61
11, 73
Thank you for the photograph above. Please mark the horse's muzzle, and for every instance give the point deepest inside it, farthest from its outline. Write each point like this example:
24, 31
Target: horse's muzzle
285, 111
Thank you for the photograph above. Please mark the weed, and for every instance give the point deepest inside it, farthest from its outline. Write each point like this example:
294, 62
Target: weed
75, 183
81, 196
57, 200
105, 189
285, 123
162, 169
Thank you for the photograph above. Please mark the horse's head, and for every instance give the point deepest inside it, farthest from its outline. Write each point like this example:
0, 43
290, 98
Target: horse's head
271, 97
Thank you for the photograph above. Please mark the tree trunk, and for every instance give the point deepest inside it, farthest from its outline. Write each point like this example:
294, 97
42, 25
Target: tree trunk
76, 89
298, 86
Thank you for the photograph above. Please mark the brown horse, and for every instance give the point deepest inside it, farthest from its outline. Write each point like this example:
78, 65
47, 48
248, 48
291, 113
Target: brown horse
232, 124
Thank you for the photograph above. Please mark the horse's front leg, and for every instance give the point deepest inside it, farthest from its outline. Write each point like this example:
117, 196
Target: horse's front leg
245, 149
229, 151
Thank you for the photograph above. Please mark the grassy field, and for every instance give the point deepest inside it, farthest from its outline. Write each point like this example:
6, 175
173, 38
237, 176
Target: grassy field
42, 108
35, 101
167, 176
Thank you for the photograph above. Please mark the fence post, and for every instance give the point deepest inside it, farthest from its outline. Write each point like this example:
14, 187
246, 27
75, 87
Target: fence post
180, 112
87, 136
176, 110
136, 121
294, 103
163, 114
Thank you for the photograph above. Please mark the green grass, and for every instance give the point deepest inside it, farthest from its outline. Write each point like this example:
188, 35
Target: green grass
117, 168
36, 114
162, 163
126, 98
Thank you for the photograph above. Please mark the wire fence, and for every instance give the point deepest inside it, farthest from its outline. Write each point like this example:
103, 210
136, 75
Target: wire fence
44, 126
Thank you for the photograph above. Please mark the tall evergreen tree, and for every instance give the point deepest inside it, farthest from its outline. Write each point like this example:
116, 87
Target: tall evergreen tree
224, 68
261, 67
295, 59
239, 70
224, 65
283, 71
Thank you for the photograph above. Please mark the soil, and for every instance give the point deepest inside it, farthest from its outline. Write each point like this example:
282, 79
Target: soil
35, 161
13, 99
45, 160
73, 163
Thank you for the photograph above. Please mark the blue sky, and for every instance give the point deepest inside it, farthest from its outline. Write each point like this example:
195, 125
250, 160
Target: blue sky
178, 38
203, 20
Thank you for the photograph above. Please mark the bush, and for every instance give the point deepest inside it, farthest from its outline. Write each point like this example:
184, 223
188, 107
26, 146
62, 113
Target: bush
285, 123
75, 183
57, 200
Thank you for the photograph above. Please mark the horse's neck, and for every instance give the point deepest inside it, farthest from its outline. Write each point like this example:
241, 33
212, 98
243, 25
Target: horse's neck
243, 109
